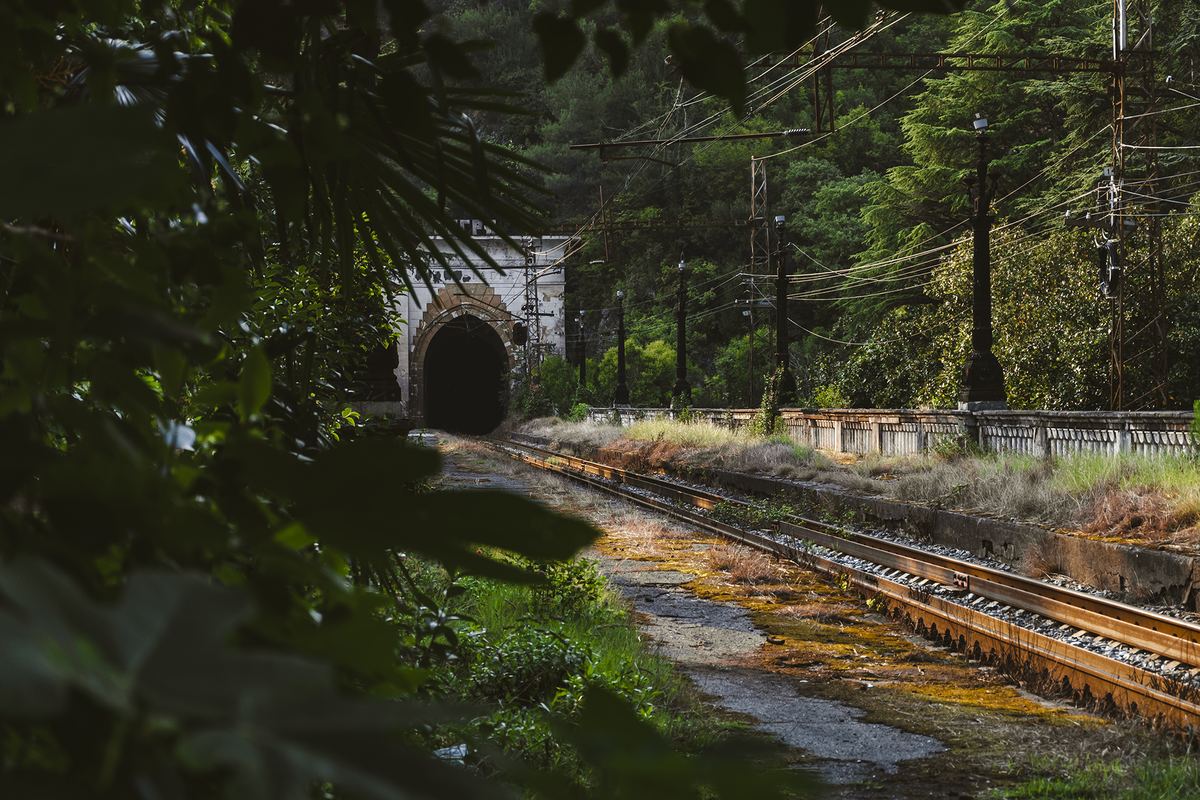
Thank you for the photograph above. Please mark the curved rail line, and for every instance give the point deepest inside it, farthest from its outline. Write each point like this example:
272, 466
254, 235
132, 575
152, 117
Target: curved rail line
947, 599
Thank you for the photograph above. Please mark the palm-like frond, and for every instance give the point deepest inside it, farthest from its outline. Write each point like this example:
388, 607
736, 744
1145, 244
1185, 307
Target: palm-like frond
357, 155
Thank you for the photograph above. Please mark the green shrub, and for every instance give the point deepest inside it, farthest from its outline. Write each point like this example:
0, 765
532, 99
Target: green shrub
829, 396
767, 421
572, 588
525, 667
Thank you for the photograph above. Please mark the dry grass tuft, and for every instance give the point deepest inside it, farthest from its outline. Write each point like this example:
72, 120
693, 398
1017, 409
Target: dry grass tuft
1039, 561
854, 482
648, 452
701, 433
824, 613
585, 433
641, 535
1139, 513
758, 457
744, 566
793, 461
1018, 487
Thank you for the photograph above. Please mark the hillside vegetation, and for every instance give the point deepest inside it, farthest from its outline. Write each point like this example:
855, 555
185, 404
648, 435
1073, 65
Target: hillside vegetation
877, 232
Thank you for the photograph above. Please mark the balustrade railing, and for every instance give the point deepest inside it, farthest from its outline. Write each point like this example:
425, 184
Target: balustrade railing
910, 431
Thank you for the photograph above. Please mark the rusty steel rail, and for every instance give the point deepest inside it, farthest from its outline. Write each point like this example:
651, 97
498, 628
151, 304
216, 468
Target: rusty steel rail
1090, 677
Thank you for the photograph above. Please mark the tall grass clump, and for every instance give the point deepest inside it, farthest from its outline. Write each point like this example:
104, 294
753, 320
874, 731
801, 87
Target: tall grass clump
1136, 496
1006, 485
581, 432
1172, 779
1172, 473
530, 653
697, 433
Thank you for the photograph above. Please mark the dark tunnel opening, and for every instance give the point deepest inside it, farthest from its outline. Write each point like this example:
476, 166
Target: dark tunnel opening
465, 378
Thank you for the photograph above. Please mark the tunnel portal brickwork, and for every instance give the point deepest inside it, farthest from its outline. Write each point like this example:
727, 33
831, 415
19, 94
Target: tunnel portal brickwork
452, 302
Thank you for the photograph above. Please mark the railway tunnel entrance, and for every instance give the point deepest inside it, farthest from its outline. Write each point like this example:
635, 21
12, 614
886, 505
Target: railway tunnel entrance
465, 371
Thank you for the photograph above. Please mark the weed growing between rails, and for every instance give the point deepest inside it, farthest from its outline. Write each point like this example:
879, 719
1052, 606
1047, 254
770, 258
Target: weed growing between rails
764, 514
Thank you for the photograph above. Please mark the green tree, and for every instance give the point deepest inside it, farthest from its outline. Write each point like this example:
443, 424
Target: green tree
649, 374
560, 382
1034, 125
205, 585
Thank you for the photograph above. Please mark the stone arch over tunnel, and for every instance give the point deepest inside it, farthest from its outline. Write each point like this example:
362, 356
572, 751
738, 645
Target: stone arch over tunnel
466, 377
479, 331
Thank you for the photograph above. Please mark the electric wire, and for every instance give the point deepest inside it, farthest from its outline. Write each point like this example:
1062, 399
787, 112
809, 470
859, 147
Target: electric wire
907, 257
888, 100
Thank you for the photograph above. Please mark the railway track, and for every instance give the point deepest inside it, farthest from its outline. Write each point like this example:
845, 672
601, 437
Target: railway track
1105, 655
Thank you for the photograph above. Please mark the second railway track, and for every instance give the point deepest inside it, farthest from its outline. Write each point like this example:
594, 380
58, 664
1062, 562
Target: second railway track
1104, 654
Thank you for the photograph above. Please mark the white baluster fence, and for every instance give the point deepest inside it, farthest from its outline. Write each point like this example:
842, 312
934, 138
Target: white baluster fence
909, 431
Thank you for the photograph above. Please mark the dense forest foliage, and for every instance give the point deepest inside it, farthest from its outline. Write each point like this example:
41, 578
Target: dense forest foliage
213, 583
210, 576
877, 213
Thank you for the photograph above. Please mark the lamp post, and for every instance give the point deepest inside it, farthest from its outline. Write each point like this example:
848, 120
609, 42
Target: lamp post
983, 378
786, 390
621, 395
582, 352
681, 392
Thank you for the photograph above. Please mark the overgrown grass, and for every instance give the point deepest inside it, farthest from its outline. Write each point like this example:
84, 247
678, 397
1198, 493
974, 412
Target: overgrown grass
773, 455
1175, 779
1135, 497
745, 566
697, 433
700, 433
1007, 486
532, 653
1174, 474
576, 432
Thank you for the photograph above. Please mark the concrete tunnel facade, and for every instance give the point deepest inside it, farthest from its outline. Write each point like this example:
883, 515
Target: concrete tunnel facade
456, 355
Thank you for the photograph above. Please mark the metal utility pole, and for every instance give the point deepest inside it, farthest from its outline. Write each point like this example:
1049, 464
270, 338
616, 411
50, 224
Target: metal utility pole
1128, 203
760, 252
760, 230
531, 309
750, 372
681, 392
983, 378
582, 352
783, 363
1139, 332
621, 394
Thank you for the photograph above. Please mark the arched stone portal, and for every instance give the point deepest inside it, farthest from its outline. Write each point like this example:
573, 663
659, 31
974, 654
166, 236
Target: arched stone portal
529, 278
466, 377
478, 339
